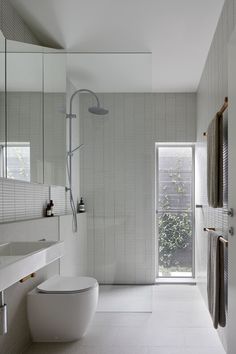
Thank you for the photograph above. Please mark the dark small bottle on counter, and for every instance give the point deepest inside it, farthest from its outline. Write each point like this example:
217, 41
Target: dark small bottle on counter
81, 206
48, 210
51, 206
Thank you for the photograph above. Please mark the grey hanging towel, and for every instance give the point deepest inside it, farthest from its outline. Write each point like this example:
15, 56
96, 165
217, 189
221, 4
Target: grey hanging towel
215, 280
215, 162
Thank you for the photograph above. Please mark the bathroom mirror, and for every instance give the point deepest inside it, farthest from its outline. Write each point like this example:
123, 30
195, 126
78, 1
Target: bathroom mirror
2, 107
55, 118
36, 105
24, 72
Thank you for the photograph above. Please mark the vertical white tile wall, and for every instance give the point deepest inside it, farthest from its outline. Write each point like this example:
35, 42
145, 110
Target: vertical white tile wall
210, 96
23, 200
59, 197
74, 261
118, 178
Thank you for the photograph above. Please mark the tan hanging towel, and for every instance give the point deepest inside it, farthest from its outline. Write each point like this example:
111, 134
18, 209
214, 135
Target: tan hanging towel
215, 162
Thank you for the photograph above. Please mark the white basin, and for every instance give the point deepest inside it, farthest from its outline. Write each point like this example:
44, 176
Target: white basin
22, 248
19, 259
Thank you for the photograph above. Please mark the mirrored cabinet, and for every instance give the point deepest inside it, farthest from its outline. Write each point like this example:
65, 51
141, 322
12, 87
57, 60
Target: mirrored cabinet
32, 113
2, 108
24, 73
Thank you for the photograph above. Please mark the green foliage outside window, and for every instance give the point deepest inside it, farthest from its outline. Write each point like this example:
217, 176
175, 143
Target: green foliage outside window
175, 229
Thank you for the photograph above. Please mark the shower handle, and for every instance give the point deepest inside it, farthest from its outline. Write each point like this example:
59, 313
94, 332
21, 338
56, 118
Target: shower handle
229, 212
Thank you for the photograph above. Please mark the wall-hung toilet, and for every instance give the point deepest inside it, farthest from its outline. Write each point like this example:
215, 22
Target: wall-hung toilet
62, 308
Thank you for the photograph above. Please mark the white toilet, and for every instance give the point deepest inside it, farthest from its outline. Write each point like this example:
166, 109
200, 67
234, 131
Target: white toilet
62, 308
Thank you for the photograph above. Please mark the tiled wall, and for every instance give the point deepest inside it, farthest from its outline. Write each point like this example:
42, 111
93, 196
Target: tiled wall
210, 96
21, 200
74, 261
118, 178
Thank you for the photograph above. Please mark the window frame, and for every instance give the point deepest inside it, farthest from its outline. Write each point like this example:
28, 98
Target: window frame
174, 145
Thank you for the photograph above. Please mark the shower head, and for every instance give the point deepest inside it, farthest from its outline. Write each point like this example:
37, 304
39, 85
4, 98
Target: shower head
98, 110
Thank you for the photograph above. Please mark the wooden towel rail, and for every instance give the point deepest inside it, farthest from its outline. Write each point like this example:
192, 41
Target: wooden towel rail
222, 239
221, 111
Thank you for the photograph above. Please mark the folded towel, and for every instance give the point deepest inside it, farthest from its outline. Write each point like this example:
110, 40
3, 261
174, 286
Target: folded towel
215, 162
215, 279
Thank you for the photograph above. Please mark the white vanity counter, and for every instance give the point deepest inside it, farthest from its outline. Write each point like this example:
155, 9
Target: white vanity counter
19, 259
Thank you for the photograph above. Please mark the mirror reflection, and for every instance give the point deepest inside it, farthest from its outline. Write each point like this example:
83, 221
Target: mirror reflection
36, 105
55, 118
24, 112
2, 107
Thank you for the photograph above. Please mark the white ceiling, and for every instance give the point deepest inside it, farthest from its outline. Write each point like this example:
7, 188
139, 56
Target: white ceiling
111, 72
178, 33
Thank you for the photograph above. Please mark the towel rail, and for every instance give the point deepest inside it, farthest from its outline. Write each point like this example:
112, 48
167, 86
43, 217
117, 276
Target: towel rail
221, 111
222, 239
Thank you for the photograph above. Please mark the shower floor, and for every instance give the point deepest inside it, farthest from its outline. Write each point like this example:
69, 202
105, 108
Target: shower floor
179, 324
125, 298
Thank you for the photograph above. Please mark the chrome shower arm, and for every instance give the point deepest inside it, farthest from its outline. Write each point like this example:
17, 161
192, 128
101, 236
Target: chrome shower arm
80, 91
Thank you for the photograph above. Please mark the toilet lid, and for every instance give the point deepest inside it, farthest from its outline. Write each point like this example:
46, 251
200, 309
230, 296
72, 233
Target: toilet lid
62, 285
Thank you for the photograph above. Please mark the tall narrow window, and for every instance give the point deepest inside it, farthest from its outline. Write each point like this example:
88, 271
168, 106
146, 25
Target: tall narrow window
175, 176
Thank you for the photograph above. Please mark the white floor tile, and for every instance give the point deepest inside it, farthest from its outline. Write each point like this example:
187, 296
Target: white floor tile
125, 350
185, 350
121, 319
101, 336
209, 350
164, 337
178, 324
169, 350
201, 337
125, 298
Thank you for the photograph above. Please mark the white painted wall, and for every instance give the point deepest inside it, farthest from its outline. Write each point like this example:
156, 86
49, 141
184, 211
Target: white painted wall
212, 89
118, 178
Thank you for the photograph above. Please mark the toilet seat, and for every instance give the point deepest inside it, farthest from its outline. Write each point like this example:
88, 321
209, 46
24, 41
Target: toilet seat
67, 285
